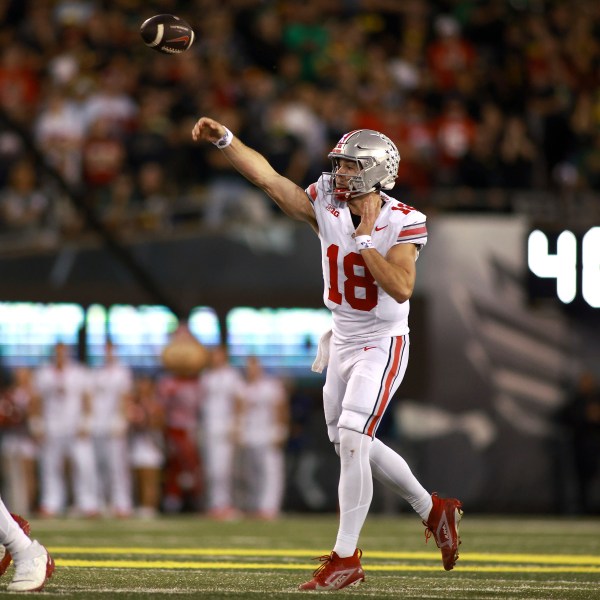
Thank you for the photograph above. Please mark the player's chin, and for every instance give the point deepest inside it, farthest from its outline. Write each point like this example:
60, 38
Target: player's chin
342, 194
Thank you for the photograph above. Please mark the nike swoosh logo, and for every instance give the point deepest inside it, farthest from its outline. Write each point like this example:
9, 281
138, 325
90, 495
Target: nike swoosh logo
380, 228
369, 348
183, 38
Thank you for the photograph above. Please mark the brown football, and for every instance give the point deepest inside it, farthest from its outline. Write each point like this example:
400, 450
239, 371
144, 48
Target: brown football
167, 34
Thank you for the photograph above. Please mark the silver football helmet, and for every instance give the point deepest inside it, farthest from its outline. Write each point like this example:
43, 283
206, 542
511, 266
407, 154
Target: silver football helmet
377, 158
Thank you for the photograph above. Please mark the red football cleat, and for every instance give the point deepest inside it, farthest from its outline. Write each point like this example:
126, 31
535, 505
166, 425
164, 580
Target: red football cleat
442, 524
336, 573
7, 558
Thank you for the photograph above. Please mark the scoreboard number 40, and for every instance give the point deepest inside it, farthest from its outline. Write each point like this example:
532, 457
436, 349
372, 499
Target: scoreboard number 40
563, 266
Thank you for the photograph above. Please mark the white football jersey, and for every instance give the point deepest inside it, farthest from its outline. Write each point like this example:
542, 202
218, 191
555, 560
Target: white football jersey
361, 309
62, 393
109, 383
260, 400
218, 387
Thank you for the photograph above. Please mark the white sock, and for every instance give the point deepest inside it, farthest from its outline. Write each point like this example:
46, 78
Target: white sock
393, 471
11, 535
355, 489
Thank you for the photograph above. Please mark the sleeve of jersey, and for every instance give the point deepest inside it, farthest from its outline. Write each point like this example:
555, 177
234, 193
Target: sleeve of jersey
414, 232
311, 192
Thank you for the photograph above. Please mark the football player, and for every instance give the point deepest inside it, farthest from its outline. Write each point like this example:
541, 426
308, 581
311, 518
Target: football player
218, 385
261, 431
60, 423
370, 243
111, 385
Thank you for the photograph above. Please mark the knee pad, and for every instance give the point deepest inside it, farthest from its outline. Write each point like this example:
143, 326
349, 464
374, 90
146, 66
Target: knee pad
333, 434
349, 419
353, 420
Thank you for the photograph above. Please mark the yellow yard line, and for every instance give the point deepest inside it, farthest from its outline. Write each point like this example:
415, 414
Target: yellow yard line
160, 564
544, 559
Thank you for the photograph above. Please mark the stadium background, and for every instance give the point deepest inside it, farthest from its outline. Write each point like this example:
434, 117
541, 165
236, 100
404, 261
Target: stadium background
495, 107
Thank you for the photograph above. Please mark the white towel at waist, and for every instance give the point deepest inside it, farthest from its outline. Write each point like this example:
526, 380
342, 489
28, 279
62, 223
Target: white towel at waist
322, 358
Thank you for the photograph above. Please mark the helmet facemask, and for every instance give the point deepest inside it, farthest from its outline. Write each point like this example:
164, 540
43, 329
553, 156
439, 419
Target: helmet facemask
346, 187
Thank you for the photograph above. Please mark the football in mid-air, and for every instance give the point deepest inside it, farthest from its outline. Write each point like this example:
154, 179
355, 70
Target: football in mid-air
167, 34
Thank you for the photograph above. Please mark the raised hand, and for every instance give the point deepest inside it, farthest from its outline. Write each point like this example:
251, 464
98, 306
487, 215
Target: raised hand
207, 129
370, 211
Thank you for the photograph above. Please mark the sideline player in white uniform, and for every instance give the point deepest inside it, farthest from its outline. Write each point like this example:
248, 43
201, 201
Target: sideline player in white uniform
370, 243
111, 385
218, 385
61, 423
262, 429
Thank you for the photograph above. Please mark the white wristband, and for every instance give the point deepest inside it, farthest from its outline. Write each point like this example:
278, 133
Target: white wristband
225, 140
363, 242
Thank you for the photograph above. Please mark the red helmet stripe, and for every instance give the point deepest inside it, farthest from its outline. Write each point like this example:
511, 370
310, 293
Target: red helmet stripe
343, 140
347, 135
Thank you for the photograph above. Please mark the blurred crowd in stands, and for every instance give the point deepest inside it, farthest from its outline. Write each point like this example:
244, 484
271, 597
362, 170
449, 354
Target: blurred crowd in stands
482, 98
106, 441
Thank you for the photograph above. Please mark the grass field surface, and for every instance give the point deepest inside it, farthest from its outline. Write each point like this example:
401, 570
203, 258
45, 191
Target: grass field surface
192, 557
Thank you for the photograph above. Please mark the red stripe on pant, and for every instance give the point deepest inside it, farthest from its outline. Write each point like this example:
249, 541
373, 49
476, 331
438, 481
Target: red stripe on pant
389, 380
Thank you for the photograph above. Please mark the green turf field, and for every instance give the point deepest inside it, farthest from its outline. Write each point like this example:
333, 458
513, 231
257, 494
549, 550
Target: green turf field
191, 557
